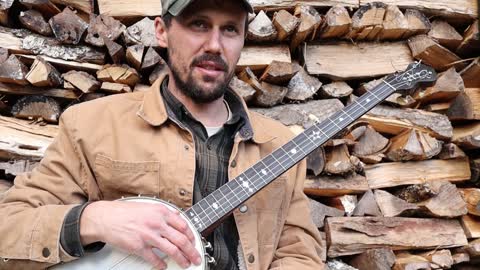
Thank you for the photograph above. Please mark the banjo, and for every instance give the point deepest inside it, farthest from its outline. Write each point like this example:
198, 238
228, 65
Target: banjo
203, 215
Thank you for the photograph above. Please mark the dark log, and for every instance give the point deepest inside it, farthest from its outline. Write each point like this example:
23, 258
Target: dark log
42, 74
337, 23
475, 167
116, 51
4, 10
302, 86
37, 107
367, 206
103, 27
374, 259
13, 71
34, 21
466, 106
470, 45
416, 193
471, 74
68, 27
316, 161
261, 29
242, 88
151, 59
280, 72
160, 71
82, 81
319, 212
285, 23
46, 7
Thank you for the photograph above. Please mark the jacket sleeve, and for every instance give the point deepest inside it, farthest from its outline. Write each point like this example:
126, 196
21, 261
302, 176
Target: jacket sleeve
33, 210
300, 243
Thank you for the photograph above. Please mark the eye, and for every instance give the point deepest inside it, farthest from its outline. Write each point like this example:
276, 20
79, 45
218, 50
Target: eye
199, 24
231, 29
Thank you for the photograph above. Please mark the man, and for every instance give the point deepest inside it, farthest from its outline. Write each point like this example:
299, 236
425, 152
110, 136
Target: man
179, 141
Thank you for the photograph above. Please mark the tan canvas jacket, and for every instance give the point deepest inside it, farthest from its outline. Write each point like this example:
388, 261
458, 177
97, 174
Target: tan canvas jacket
123, 145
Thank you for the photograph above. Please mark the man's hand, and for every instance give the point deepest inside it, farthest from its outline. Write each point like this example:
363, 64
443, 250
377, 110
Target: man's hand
138, 228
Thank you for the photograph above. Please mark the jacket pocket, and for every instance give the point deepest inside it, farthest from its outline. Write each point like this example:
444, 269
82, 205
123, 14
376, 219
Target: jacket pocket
117, 178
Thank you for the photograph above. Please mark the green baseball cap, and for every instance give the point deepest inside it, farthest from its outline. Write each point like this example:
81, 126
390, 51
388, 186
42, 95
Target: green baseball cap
175, 7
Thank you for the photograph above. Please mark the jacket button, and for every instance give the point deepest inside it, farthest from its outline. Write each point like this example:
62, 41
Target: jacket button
251, 258
46, 252
187, 147
243, 209
233, 164
182, 192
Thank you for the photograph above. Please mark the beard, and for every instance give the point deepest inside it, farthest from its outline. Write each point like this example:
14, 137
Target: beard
192, 89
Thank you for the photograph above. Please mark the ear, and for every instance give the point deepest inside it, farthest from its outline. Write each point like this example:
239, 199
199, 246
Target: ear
161, 32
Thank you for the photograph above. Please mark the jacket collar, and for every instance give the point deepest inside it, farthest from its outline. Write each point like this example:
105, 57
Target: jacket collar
154, 112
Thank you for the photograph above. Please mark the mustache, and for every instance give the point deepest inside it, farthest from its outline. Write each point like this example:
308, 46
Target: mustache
211, 58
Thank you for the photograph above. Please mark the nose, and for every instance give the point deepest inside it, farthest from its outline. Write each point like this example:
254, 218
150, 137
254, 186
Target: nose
214, 42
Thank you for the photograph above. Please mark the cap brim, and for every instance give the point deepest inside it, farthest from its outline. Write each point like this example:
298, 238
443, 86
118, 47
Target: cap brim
179, 6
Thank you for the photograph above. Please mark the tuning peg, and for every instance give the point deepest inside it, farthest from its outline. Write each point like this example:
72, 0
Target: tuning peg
208, 246
210, 260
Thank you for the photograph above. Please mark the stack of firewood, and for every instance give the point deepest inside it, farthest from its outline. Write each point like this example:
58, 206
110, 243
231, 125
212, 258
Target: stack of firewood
399, 189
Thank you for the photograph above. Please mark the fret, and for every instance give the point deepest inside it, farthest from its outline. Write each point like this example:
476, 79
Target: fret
270, 159
278, 161
389, 84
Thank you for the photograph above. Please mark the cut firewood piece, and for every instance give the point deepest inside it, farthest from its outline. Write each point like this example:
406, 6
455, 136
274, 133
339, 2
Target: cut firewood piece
4, 10
471, 225
407, 261
439, 258
471, 74
267, 95
83, 5
467, 136
371, 59
424, 48
61, 64
338, 265
116, 51
337, 23
367, 21
374, 259
460, 257
242, 88
12, 89
354, 235
371, 142
466, 106
261, 29
303, 86
160, 71
103, 27
449, 85
448, 203
336, 90
338, 160
394, 121
68, 86
319, 212
418, 23
68, 27
416, 193
372, 159
151, 59
393, 174
451, 151
395, 25
441, 108
445, 34
82, 80
413, 145
42, 74
367, 206
472, 198
13, 71
470, 45
316, 161
259, 57
475, 167
118, 74
115, 88
142, 32
280, 72
34, 21
37, 107
329, 186
135, 55
285, 23
310, 21
345, 203
46, 7
473, 249
3, 55
126, 11
392, 206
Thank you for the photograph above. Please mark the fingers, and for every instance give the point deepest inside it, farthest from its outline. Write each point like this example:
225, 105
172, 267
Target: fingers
165, 246
180, 241
153, 259
179, 224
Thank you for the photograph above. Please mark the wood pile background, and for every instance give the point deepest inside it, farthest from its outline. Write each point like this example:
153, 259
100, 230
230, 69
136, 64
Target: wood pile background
400, 189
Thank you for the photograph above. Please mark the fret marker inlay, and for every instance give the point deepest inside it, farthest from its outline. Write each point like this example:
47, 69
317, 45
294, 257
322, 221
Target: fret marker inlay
294, 151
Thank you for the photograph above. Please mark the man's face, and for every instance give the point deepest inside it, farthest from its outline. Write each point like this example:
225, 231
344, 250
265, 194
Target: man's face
204, 44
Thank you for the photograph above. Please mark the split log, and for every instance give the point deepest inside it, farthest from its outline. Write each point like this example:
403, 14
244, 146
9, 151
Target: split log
18, 167
261, 29
61, 64
467, 136
371, 59
285, 23
12, 39
310, 21
439, 258
46, 7
259, 57
42, 74
472, 198
386, 175
280, 72
470, 45
448, 86
473, 249
440, 108
371, 142
416, 193
34, 21
407, 261
354, 235
367, 206
413, 145
290, 4
471, 226
471, 74
142, 32
394, 121
336, 90
267, 95
451, 151
337, 23
115, 88
374, 259
151, 59
68, 27
135, 55
329, 186
125, 10
3, 55
4, 10
367, 21
11, 89
23, 140
430, 52
68, 86
119, 74
37, 107
302, 86
445, 35
460, 257
83, 5
448, 203
392, 206
466, 106
82, 81
395, 25
319, 212
475, 167
338, 265
116, 51
103, 27
13, 71
338, 160
418, 23
345, 203
316, 161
